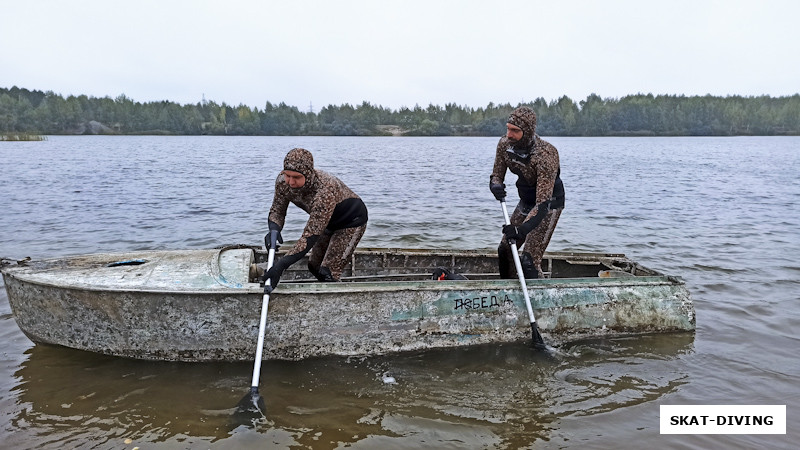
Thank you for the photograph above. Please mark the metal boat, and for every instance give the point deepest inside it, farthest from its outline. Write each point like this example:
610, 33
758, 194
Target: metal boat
204, 304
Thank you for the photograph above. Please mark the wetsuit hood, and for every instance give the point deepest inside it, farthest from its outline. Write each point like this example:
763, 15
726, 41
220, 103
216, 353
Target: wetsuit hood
300, 160
524, 118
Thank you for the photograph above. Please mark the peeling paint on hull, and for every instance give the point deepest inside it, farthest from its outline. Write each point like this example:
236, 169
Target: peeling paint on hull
197, 305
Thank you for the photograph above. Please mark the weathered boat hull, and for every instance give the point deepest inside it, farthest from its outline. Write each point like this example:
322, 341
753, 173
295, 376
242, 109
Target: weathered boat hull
198, 305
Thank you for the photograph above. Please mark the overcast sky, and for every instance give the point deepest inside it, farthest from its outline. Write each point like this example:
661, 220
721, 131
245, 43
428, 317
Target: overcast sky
398, 53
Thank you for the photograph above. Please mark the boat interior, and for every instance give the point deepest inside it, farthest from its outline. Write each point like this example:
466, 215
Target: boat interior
396, 264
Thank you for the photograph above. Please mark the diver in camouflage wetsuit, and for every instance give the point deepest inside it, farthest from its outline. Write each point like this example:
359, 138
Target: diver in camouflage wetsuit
541, 192
337, 218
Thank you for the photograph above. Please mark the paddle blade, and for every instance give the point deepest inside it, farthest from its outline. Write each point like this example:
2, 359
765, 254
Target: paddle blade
538, 341
251, 407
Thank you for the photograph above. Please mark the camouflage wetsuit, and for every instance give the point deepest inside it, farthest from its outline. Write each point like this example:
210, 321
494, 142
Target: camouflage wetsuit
540, 189
337, 219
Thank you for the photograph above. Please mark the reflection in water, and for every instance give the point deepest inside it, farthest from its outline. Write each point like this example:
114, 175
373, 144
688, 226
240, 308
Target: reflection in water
484, 396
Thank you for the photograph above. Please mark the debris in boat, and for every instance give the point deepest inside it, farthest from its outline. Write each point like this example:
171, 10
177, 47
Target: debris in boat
441, 274
613, 274
256, 272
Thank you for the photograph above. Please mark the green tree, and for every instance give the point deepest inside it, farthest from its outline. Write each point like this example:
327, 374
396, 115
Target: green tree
593, 117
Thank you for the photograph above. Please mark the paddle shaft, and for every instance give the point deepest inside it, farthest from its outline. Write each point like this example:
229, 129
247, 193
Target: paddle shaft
521, 276
262, 325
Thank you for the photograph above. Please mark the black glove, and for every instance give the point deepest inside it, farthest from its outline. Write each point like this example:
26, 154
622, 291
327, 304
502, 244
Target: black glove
273, 227
273, 275
518, 232
498, 189
515, 233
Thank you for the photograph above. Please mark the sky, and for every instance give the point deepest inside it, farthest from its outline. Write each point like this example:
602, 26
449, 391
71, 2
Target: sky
396, 54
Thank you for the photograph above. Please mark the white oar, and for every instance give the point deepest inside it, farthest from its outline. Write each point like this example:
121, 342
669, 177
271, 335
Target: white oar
253, 403
537, 337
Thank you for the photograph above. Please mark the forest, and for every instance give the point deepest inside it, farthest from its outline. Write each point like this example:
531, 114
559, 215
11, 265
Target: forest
35, 112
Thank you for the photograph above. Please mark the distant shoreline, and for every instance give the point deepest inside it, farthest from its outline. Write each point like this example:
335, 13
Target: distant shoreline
45, 113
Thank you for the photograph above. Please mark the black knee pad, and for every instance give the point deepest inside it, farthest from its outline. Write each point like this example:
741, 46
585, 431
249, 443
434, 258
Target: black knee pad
324, 274
503, 262
528, 268
314, 270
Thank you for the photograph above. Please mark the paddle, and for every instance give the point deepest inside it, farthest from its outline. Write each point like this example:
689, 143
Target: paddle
252, 404
538, 342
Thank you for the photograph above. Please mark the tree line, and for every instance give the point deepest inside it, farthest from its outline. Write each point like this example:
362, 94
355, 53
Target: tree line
48, 113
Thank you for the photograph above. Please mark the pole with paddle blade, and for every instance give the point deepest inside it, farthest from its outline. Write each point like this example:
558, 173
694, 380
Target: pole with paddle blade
538, 341
252, 405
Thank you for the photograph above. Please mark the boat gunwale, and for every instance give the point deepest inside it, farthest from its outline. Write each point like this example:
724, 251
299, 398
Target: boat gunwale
289, 288
351, 286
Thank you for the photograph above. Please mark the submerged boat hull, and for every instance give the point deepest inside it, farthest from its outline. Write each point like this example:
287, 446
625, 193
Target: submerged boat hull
199, 305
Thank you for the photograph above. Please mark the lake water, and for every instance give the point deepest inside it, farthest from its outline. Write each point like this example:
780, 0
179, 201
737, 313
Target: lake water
720, 212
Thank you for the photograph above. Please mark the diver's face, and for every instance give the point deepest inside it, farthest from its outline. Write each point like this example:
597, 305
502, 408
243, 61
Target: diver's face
513, 132
295, 180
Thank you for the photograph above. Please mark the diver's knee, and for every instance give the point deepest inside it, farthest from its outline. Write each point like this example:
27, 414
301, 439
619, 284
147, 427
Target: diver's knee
324, 274
529, 269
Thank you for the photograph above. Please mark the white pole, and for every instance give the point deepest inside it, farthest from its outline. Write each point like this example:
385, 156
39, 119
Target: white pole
262, 325
537, 337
